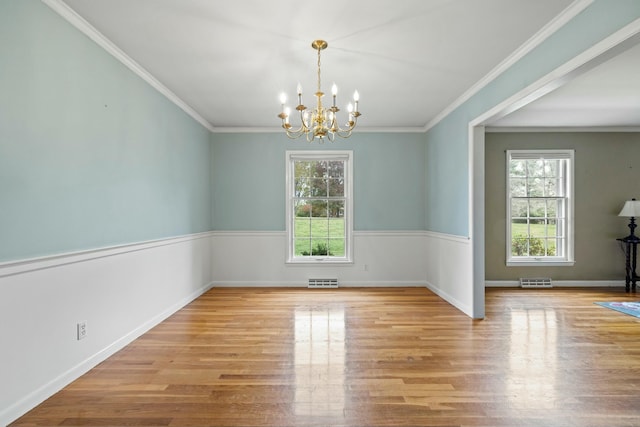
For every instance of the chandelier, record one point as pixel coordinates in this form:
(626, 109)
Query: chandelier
(319, 122)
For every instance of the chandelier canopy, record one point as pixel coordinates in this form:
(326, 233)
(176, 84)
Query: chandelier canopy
(319, 122)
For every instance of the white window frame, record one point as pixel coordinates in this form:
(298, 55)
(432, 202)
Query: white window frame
(291, 157)
(568, 258)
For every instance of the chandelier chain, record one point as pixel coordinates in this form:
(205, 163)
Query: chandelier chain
(319, 86)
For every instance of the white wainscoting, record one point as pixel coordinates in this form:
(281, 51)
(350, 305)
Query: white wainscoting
(449, 269)
(440, 262)
(121, 292)
(381, 258)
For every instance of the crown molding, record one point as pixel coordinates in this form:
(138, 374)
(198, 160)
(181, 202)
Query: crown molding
(67, 13)
(577, 129)
(599, 53)
(278, 129)
(391, 129)
(552, 26)
(70, 15)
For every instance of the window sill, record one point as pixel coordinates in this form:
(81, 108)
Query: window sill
(319, 261)
(539, 263)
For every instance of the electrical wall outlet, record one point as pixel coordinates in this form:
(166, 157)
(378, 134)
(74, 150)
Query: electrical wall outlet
(82, 329)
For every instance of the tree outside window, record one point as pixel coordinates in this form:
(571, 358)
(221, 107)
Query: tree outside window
(319, 200)
(539, 195)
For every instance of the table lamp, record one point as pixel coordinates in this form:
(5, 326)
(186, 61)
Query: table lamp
(631, 209)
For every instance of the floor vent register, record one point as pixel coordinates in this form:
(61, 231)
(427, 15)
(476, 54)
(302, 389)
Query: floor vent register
(535, 282)
(323, 283)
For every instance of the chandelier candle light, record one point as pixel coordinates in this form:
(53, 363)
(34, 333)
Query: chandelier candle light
(321, 121)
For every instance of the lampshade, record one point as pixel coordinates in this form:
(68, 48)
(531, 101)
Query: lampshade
(631, 208)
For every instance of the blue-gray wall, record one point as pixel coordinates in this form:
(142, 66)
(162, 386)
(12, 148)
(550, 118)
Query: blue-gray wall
(249, 180)
(447, 159)
(90, 154)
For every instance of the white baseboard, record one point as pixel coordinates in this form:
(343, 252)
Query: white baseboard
(465, 308)
(341, 284)
(559, 283)
(41, 394)
(90, 285)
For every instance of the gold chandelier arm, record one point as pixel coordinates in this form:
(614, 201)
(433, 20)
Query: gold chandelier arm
(346, 132)
(343, 133)
(310, 136)
(319, 123)
(293, 133)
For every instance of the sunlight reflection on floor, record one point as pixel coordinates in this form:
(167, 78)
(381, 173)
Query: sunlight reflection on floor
(319, 361)
(533, 359)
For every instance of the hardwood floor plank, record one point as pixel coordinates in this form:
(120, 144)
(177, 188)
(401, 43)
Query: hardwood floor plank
(368, 357)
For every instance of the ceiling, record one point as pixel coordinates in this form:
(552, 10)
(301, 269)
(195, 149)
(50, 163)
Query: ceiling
(409, 60)
(606, 96)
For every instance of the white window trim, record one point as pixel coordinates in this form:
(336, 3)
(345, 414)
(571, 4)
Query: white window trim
(567, 260)
(346, 155)
(533, 262)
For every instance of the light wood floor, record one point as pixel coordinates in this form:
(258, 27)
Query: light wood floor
(369, 357)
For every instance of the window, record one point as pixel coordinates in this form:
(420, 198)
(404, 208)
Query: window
(540, 207)
(319, 206)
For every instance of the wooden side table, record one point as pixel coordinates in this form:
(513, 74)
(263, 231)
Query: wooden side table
(631, 255)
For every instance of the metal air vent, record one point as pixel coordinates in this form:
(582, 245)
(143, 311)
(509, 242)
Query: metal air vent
(323, 283)
(535, 282)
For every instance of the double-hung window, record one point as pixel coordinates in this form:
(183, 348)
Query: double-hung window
(540, 207)
(319, 206)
